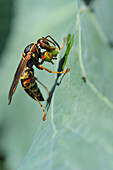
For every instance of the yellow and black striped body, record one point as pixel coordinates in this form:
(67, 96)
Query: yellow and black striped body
(29, 84)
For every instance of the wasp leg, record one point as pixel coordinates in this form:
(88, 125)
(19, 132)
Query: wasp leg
(44, 117)
(41, 68)
(42, 85)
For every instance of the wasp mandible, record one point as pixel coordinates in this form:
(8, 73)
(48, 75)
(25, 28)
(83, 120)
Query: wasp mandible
(35, 54)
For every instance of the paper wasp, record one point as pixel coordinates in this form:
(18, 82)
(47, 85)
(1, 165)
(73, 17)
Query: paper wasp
(35, 54)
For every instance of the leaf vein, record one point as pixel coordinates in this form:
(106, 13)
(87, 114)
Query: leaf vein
(94, 89)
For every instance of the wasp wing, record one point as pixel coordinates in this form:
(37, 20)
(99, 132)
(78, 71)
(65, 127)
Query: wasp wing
(17, 76)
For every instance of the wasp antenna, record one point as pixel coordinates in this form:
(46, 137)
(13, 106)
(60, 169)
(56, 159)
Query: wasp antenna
(53, 41)
(64, 41)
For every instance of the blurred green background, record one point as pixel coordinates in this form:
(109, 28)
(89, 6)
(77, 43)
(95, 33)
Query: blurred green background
(21, 23)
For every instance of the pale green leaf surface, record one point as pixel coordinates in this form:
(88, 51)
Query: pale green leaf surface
(78, 132)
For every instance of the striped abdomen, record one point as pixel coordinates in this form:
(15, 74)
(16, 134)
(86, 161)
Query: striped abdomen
(29, 84)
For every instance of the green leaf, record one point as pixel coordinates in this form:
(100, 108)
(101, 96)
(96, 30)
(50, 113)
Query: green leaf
(69, 45)
(78, 131)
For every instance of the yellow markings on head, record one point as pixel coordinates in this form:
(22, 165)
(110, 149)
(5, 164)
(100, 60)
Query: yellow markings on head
(33, 55)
